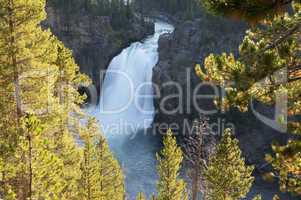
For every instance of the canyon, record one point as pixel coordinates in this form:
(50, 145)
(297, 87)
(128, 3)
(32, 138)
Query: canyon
(95, 43)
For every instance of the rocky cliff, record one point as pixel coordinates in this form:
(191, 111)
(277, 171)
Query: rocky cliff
(92, 39)
(191, 42)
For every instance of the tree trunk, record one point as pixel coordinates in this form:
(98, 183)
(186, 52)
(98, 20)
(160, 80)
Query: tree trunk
(13, 58)
(4, 181)
(30, 166)
(195, 184)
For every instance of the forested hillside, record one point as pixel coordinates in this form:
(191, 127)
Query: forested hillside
(119, 11)
(187, 9)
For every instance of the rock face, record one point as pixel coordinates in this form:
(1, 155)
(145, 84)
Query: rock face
(92, 39)
(191, 42)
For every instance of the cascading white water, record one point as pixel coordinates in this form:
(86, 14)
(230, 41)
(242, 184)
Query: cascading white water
(126, 98)
(126, 109)
(127, 84)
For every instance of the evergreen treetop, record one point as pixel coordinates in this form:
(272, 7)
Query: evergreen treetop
(227, 177)
(140, 196)
(170, 186)
(102, 177)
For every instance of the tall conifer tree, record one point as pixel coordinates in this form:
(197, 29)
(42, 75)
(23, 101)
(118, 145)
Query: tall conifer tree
(102, 177)
(26, 52)
(89, 181)
(140, 196)
(39, 171)
(170, 186)
(227, 177)
(37, 75)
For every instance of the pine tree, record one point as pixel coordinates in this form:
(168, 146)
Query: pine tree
(227, 177)
(40, 170)
(170, 187)
(102, 177)
(26, 50)
(112, 182)
(67, 99)
(70, 155)
(90, 175)
(251, 11)
(196, 154)
(257, 197)
(37, 75)
(153, 197)
(286, 162)
(140, 196)
(268, 66)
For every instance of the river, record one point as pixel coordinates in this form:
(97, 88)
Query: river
(126, 111)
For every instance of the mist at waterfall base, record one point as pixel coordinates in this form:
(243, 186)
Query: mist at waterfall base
(126, 111)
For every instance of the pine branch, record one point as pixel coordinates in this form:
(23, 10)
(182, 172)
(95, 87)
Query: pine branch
(277, 42)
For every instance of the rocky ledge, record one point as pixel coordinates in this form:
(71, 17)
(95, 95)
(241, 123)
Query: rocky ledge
(92, 39)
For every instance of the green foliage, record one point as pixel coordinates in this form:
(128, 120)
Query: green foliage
(287, 164)
(119, 11)
(251, 11)
(140, 196)
(170, 187)
(101, 174)
(71, 156)
(297, 6)
(186, 9)
(37, 75)
(40, 168)
(153, 197)
(90, 176)
(227, 177)
(39, 158)
(254, 66)
(26, 51)
(257, 197)
(268, 67)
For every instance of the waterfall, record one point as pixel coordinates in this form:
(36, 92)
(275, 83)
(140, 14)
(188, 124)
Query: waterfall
(126, 97)
(126, 109)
